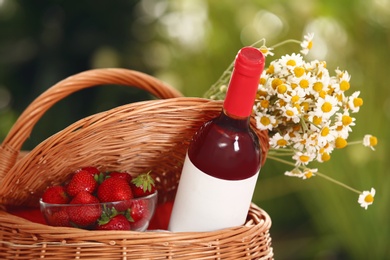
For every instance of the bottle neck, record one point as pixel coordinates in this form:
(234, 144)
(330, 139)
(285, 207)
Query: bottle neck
(240, 95)
(233, 121)
(244, 82)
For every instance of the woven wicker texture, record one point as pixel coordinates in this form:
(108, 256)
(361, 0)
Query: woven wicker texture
(138, 137)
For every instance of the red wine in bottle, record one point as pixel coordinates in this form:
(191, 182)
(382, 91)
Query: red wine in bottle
(223, 160)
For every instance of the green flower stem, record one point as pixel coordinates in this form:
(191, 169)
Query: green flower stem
(280, 160)
(317, 173)
(262, 41)
(280, 152)
(285, 42)
(338, 182)
(214, 89)
(355, 142)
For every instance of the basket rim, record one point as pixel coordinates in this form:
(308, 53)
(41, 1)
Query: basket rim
(255, 214)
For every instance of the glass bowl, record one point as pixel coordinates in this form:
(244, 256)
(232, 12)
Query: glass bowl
(138, 212)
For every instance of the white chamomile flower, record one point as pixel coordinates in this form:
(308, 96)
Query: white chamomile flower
(289, 62)
(323, 156)
(304, 142)
(266, 51)
(308, 173)
(355, 102)
(303, 158)
(370, 141)
(264, 79)
(263, 104)
(366, 198)
(278, 141)
(307, 43)
(291, 113)
(298, 140)
(294, 173)
(264, 121)
(344, 79)
(326, 107)
(343, 123)
(294, 96)
(304, 82)
(326, 134)
(274, 68)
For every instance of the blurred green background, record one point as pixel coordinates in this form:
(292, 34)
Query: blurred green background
(188, 44)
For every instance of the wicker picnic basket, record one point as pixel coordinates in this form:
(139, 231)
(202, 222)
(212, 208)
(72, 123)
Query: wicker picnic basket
(138, 137)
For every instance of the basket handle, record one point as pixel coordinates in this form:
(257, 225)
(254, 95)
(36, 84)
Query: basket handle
(21, 130)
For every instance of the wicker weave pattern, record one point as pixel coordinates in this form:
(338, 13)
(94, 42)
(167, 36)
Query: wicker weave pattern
(149, 135)
(24, 240)
(22, 128)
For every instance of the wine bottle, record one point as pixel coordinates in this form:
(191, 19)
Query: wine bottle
(222, 163)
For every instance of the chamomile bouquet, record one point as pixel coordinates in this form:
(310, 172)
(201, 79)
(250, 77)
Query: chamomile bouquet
(306, 110)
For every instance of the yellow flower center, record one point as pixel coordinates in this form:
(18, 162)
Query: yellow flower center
(305, 106)
(294, 98)
(276, 82)
(317, 120)
(262, 81)
(344, 85)
(299, 71)
(325, 131)
(318, 86)
(281, 103)
(304, 83)
(270, 70)
(322, 94)
(291, 63)
(264, 49)
(289, 112)
(325, 157)
(265, 120)
(261, 93)
(282, 88)
(281, 142)
(340, 142)
(346, 120)
(369, 198)
(373, 141)
(264, 103)
(357, 102)
(309, 174)
(326, 107)
(304, 158)
(310, 45)
(298, 107)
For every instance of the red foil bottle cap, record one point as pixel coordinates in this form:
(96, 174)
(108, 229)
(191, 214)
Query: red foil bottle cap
(243, 85)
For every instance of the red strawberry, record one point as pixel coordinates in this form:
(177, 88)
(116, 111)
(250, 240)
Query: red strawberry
(91, 169)
(84, 215)
(123, 175)
(55, 195)
(143, 185)
(118, 222)
(139, 215)
(81, 181)
(139, 210)
(60, 219)
(114, 189)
